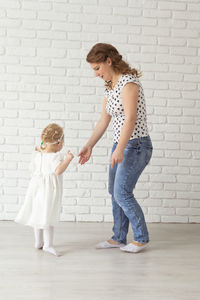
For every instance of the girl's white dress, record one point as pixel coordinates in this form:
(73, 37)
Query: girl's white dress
(42, 204)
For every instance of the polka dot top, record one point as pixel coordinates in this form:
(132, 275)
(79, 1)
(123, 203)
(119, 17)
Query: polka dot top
(115, 109)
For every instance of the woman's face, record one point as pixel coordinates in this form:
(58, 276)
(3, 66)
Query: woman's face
(103, 70)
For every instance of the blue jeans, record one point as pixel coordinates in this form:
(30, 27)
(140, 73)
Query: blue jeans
(122, 180)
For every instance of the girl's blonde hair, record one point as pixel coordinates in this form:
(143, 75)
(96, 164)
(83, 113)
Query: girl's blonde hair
(51, 134)
(101, 51)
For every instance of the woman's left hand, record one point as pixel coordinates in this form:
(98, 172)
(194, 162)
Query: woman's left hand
(116, 158)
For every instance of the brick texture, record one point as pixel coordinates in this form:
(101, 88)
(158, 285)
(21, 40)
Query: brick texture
(45, 78)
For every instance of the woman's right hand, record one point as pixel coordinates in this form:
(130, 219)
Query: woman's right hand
(85, 154)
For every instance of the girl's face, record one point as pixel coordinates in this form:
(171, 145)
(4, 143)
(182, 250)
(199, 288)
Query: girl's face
(103, 70)
(60, 144)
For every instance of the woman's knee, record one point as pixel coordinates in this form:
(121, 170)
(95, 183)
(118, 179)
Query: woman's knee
(121, 195)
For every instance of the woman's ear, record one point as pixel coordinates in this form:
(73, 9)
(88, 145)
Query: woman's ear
(109, 61)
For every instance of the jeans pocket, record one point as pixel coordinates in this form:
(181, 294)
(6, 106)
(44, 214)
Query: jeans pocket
(148, 154)
(132, 144)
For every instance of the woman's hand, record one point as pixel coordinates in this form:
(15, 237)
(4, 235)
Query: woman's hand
(85, 154)
(116, 158)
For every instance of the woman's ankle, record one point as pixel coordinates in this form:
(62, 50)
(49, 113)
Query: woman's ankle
(139, 244)
(111, 241)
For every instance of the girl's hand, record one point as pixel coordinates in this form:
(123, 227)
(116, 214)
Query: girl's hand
(116, 158)
(69, 155)
(85, 154)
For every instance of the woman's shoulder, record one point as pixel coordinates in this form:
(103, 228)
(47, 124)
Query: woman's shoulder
(129, 78)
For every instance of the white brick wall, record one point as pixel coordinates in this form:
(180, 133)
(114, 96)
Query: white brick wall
(44, 78)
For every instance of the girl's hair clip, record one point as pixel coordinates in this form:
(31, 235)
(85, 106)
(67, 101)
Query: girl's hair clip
(53, 143)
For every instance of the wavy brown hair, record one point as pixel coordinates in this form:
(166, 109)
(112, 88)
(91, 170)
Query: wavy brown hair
(101, 51)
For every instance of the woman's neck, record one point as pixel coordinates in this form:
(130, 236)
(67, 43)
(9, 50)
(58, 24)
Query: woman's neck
(115, 79)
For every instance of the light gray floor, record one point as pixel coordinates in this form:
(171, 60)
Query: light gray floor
(168, 270)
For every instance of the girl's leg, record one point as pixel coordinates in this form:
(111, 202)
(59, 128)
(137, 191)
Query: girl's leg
(48, 241)
(38, 233)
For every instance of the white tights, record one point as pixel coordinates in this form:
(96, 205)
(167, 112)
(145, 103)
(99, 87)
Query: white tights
(44, 240)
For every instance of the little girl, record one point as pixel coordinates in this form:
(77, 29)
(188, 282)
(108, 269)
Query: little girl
(42, 203)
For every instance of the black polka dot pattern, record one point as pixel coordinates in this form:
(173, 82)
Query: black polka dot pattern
(114, 108)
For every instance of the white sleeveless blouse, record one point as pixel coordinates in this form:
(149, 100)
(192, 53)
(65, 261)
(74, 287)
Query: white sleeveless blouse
(114, 108)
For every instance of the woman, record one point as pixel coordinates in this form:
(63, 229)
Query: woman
(132, 149)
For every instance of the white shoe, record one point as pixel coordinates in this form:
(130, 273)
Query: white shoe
(107, 245)
(51, 250)
(132, 248)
